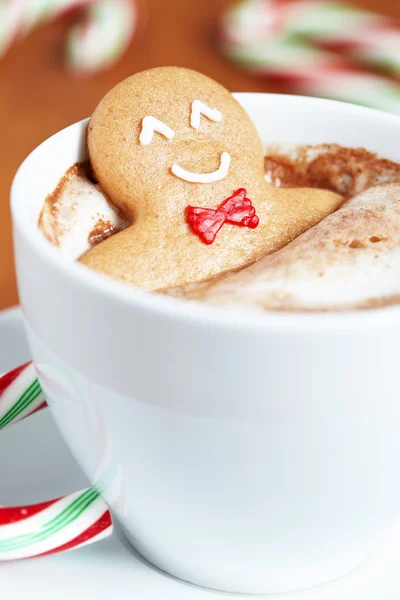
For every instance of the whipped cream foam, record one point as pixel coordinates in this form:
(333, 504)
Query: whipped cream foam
(78, 215)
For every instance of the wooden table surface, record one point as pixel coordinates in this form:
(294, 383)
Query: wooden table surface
(37, 98)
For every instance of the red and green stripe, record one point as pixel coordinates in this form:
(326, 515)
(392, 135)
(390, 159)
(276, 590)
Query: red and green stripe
(23, 402)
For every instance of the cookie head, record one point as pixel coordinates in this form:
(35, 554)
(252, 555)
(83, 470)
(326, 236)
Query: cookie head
(170, 131)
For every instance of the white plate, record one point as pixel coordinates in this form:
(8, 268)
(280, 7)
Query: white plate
(36, 465)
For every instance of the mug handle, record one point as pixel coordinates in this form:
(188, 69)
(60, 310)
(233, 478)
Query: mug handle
(57, 525)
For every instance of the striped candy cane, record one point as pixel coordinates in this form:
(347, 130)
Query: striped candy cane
(255, 20)
(62, 524)
(364, 36)
(95, 42)
(254, 35)
(20, 395)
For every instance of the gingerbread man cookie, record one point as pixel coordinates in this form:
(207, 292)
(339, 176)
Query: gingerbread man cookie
(182, 160)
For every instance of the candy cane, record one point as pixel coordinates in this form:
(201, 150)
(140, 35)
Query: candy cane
(62, 524)
(367, 37)
(20, 395)
(251, 36)
(96, 42)
(52, 527)
(364, 36)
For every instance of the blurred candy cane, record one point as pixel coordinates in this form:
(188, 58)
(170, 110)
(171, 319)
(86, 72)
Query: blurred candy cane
(96, 41)
(252, 37)
(364, 36)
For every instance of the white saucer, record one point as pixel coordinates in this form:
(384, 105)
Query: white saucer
(111, 569)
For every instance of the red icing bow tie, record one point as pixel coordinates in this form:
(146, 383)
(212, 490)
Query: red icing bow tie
(236, 210)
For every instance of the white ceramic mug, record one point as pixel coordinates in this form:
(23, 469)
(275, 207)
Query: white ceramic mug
(252, 452)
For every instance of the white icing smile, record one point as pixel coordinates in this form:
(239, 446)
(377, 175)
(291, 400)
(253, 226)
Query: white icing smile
(217, 175)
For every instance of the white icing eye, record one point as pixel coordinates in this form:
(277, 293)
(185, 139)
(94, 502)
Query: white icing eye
(198, 109)
(151, 125)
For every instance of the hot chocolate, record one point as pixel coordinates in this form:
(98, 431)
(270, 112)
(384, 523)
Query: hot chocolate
(179, 198)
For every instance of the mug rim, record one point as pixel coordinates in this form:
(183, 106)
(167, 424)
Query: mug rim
(197, 312)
